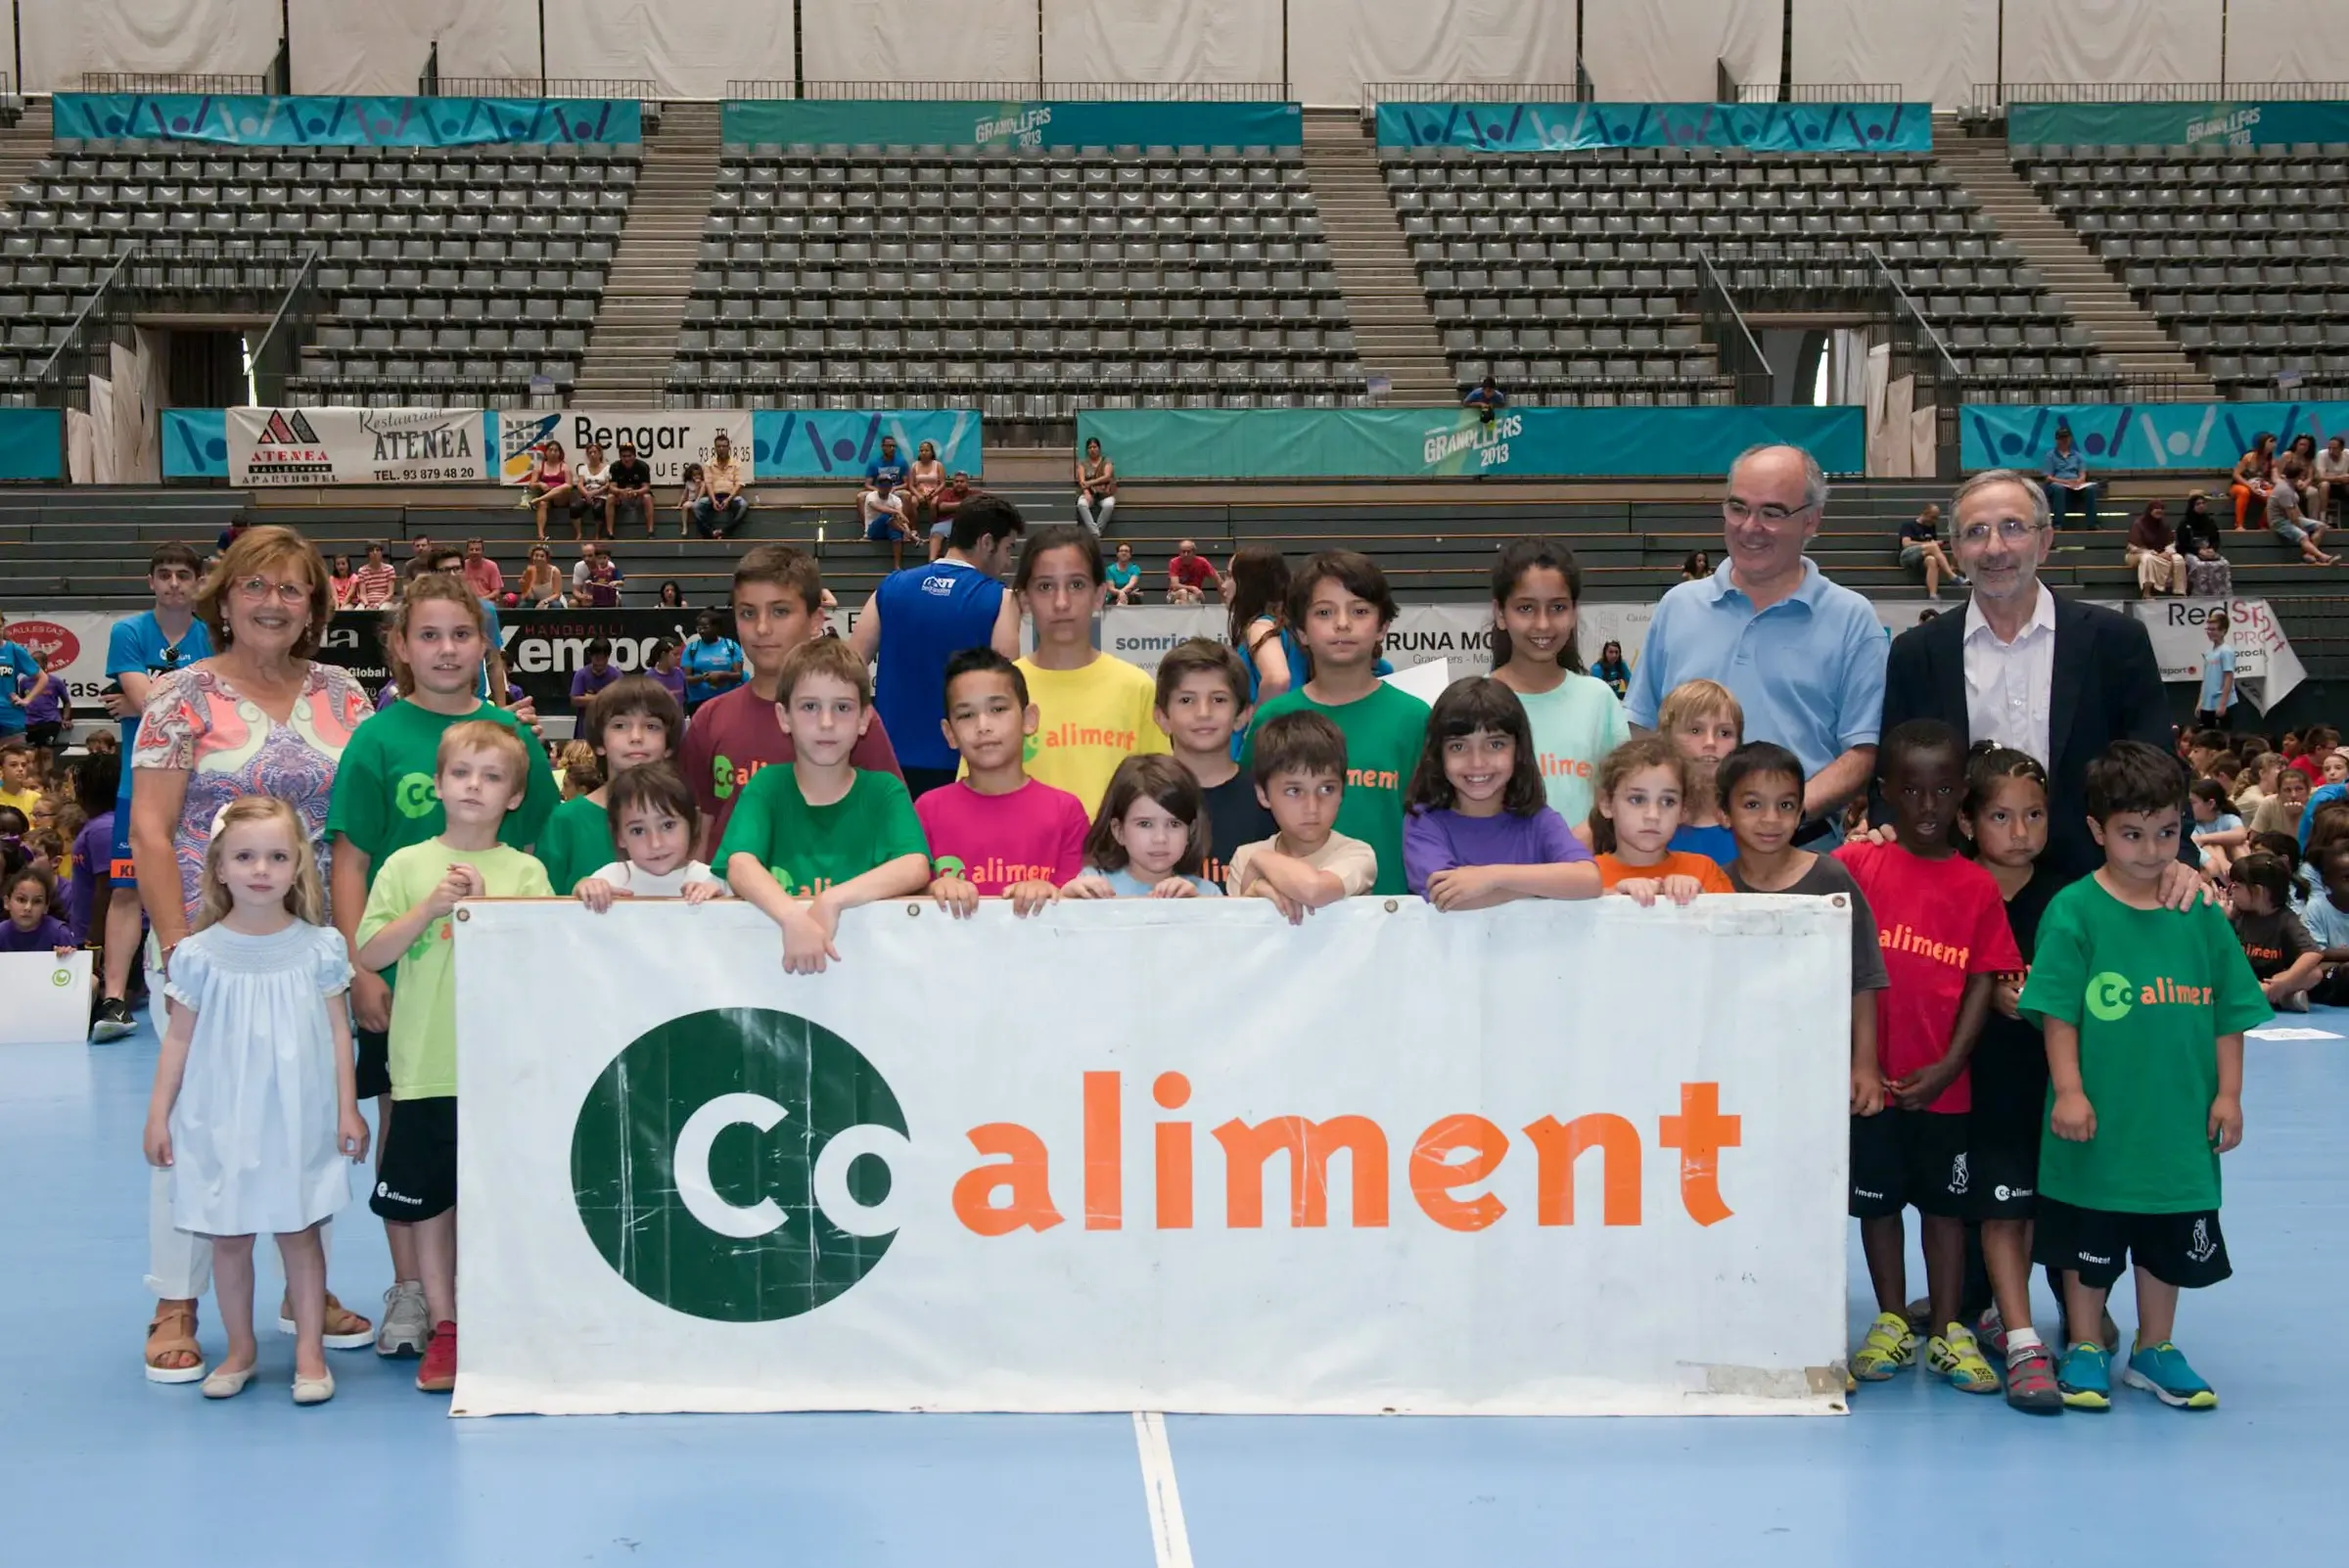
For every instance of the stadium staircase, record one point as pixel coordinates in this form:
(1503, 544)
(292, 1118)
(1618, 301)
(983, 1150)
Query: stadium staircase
(2122, 329)
(1394, 334)
(24, 144)
(636, 335)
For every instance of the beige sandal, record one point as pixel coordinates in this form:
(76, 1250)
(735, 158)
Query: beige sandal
(345, 1328)
(172, 1332)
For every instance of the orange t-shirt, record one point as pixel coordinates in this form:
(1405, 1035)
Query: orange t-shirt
(1675, 863)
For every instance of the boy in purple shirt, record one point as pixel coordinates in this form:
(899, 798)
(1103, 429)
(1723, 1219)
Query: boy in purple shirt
(593, 675)
(1476, 828)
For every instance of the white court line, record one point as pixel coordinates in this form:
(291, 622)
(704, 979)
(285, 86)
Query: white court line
(1171, 1541)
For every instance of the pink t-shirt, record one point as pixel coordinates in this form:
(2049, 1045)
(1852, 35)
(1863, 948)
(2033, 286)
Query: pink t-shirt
(1034, 834)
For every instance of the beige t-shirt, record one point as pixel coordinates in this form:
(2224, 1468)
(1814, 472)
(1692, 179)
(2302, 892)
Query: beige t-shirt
(1352, 861)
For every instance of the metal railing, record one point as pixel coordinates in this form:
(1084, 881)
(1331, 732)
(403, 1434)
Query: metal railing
(1086, 92)
(87, 346)
(1822, 92)
(621, 87)
(174, 81)
(1917, 351)
(278, 354)
(1579, 91)
(1990, 99)
(1733, 344)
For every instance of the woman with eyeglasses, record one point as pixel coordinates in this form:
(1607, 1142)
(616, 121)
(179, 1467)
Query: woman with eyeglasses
(259, 716)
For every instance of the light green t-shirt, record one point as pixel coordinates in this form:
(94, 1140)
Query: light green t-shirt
(1574, 727)
(811, 848)
(385, 799)
(423, 1020)
(576, 843)
(1384, 734)
(2150, 991)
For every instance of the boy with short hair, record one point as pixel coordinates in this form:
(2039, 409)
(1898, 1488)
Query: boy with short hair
(1705, 722)
(778, 603)
(822, 830)
(995, 832)
(1300, 767)
(1342, 607)
(2145, 1010)
(1202, 700)
(483, 774)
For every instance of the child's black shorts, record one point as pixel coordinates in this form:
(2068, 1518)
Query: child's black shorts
(374, 1076)
(2185, 1250)
(2003, 1130)
(417, 1177)
(1908, 1159)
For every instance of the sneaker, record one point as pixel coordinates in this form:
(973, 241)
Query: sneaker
(1954, 1354)
(112, 1022)
(2161, 1371)
(406, 1324)
(1991, 1329)
(1888, 1348)
(2030, 1382)
(2085, 1380)
(438, 1373)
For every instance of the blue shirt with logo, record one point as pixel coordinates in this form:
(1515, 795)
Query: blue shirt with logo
(139, 645)
(886, 474)
(18, 669)
(928, 614)
(700, 658)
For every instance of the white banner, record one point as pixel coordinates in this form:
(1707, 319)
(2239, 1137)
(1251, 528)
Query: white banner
(278, 446)
(751, 1191)
(2265, 664)
(48, 997)
(69, 644)
(669, 439)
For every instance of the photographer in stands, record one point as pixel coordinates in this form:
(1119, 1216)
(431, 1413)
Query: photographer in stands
(632, 487)
(721, 507)
(1487, 398)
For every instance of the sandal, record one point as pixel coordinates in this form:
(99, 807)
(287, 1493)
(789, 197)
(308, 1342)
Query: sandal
(345, 1328)
(172, 1332)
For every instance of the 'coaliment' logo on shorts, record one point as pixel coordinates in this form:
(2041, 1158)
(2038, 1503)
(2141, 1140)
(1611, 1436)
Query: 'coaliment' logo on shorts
(739, 1165)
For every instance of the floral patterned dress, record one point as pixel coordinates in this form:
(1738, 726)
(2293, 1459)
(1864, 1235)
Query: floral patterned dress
(196, 722)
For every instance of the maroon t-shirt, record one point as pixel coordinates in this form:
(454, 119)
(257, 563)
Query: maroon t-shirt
(732, 736)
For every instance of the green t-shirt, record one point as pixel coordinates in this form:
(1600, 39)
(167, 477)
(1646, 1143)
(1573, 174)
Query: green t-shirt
(423, 1024)
(1384, 734)
(811, 848)
(576, 843)
(385, 799)
(2150, 992)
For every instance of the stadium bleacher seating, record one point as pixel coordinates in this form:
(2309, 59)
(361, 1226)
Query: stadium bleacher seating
(1024, 282)
(2240, 253)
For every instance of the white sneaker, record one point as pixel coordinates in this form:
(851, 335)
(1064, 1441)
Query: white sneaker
(406, 1322)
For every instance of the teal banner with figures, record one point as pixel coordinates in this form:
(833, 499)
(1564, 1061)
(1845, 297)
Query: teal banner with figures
(2205, 436)
(981, 122)
(1431, 442)
(345, 121)
(2183, 125)
(1578, 127)
(837, 442)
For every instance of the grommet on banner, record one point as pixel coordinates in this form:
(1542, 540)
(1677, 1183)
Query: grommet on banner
(1835, 899)
(914, 910)
(464, 914)
(1392, 906)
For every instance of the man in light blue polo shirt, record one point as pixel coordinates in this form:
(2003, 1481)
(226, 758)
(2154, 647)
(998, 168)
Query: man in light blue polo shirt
(1805, 657)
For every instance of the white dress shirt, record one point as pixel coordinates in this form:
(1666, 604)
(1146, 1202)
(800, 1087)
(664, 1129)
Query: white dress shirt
(2008, 683)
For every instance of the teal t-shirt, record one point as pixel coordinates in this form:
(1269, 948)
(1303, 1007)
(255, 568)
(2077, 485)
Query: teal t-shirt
(2150, 992)
(810, 847)
(1384, 734)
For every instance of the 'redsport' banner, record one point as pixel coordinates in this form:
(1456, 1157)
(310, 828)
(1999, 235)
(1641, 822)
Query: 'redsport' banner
(753, 1191)
(278, 446)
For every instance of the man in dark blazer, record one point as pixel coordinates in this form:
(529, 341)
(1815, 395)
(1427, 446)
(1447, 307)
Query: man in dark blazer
(2047, 676)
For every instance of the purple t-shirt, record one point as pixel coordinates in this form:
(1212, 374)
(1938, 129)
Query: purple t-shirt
(1437, 840)
(51, 932)
(93, 858)
(586, 683)
(673, 681)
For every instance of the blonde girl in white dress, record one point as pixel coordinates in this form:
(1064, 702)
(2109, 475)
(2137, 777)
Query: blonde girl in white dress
(254, 1110)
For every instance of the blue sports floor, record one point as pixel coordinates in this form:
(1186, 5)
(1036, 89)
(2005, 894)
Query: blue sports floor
(100, 1467)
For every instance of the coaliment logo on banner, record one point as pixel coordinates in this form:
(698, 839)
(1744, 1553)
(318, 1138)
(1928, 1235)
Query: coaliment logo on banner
(279, 446)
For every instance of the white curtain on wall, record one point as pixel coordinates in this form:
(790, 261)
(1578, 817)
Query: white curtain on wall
(1162, 40)
(62, 38)
(1653, 51)
(920, 40)
(687, 51)
(1337, 45)
(2273, 40)
(2114, 41)
(379, 46)
(1936, 50)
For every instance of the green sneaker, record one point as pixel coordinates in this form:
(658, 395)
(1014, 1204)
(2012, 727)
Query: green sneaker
(2086, 1378)
(1954, 1354)
(2161, 1371)
(1888, 1348)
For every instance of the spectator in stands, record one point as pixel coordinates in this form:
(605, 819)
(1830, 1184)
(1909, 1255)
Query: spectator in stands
(711, 661)
(721, 507)
(942, 508)
(2254, 477)
(1097, 488)
(238, 523)
(584, 568)
(2152, 549)
(591, 482)
(1487, 398)
(481, 573)
(374, 582)
(1611, 669)
(1124, 578)
(881, 505)
(2287, 520)
(605, 580)
(1258, 592)
(1803, 656)
(2333, 479)
(923, 482)
(690, 486)
(1921, 546)
(1191, 575)
(541, 583)
(672, 598)
(631, 486)
(2066, 483)
(549, 484)
(594, 675)
(1695, 566)
(2208, 575)
(342, 583)
(420, 556)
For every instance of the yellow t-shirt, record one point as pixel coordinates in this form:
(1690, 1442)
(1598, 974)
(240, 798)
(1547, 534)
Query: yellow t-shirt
(25, 800)
(1087, 721)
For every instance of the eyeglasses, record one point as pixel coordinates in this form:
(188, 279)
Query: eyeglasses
(1737, 511)
(2009, 530)
(283, 592)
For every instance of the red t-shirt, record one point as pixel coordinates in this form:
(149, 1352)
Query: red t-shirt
(1034, 834)
(2310, 767)
(1192, 570)
(1939, 922)
(732, 736)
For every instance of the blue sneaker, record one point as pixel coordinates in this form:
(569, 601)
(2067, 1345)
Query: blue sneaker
(2086, 1378)
(2161, 1371)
